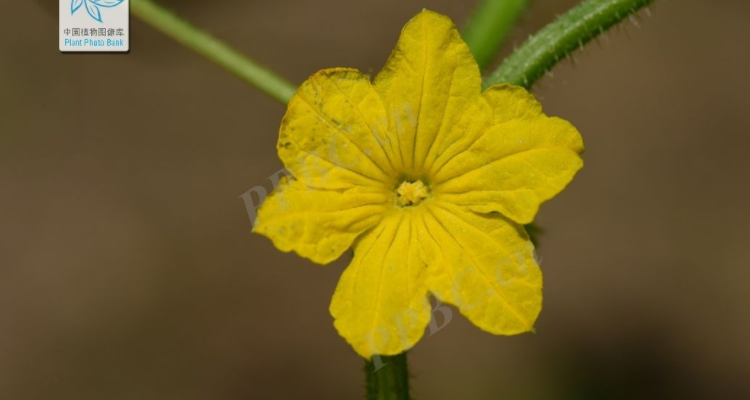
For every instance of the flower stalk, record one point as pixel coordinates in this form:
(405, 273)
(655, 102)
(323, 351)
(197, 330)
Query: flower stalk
(387, 378)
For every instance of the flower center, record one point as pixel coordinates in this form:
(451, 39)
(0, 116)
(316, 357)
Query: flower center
(411, 193)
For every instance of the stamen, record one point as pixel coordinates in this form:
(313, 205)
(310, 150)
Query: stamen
(411, 193)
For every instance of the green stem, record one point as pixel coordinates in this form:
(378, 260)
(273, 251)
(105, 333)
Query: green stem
(558, 39)
(213, 49)
(489, 25)
(387, 378)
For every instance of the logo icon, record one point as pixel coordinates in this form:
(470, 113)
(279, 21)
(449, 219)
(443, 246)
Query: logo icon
(93, 7)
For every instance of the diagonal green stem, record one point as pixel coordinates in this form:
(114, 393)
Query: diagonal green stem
(387, 378)
(213, 49)
(489, 25)
(558, 39)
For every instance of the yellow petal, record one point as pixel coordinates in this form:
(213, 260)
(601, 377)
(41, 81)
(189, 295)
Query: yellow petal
(426, 84)
(319, 224)
(380, 305)
(334, 132)
(507, 156)
(486, 268)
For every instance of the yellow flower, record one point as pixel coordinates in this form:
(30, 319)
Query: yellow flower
(429, 180)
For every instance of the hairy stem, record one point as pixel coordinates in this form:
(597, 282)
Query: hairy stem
(558, 39)
(387, 378)
(213, 49)
(489, 25)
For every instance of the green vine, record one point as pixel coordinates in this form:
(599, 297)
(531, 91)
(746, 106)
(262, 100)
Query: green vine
(213, 49)
(489, 25)
(557, 40)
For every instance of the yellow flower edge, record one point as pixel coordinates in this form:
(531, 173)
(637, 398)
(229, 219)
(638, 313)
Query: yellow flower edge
(429, 180)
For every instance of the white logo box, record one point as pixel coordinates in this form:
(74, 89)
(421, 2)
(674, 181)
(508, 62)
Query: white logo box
(94, 25)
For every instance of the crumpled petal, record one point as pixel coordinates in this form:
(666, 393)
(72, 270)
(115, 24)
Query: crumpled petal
(319, 224)
(507, 156)
(428, 81)
(381, 304)
(485, 267)
(333, 135)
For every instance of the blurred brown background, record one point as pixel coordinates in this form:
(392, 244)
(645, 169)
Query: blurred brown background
(128, 270)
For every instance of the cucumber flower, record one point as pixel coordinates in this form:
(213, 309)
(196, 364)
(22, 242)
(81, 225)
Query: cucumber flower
(429, 180)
